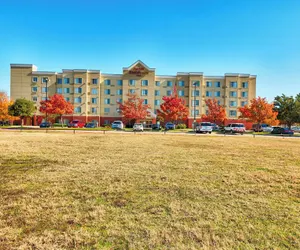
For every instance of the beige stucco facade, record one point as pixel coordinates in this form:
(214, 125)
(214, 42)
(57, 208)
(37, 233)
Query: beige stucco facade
(95, 94)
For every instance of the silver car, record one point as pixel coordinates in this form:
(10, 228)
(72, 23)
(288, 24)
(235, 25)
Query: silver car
(204, 127)
(117, 125)
(138, 127)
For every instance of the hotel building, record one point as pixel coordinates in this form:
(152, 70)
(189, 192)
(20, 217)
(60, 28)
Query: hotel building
(95, 94)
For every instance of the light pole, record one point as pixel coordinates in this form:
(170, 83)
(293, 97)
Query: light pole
(195, 83)
(46, 80)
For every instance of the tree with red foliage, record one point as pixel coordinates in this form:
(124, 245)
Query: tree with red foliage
(173, 108)
(55, 106)
(216, 112)
(259, 111)
(133, 109)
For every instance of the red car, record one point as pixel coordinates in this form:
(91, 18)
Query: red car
(76, 124)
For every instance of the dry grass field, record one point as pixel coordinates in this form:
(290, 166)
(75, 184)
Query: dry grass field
(92, 191)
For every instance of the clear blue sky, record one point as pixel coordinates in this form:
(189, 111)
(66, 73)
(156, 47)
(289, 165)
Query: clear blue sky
(260, 37)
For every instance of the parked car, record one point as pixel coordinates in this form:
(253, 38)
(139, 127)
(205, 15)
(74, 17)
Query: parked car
(156, 127)
(279, 130)
(76, 124)
(169, 125)
(117, 125)
(235, 128)
(261, 127)
(295, 128)
(90, 125)
(45, 125)
(215, 127)
(138, 127)
(204, 127)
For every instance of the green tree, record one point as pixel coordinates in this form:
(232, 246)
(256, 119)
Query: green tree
(21, 108)
(288, 109)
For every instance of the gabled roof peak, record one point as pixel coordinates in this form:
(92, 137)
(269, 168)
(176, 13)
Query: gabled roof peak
(136, 63)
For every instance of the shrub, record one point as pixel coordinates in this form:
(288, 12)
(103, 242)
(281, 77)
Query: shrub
(181, 126)
(58, 125)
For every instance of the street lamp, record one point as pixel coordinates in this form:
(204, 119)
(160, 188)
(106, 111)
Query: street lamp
(46, 80)
(195, 84)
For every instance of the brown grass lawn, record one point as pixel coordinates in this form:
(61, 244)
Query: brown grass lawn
(90, 191)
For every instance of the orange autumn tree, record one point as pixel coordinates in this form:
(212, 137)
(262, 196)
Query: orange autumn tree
(216, 112)
(259, 111)
(55, 106)
(133, 109)
(173, 108)
(4, 104)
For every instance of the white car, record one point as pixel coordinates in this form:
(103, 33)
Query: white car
(235, 128)
(138, 127)
(204, 127)
(117, 125)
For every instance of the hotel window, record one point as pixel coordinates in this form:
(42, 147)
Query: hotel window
(195, 112)
(43, 98)
(157, 93)
(144, 92)
(77, 100)
(106, 110)
(44, 90)
(208, 93)
(93, 110)
(181, 83)
(232, 113)
(217, 85)
(144, 82)
(95, 81)
(157, 102)
(34, 98)
(34, 89)
(232, 103)
(131, 91)
(181, 92)
(34, 79)
(244, 103)
(94, 100)
(233, 94)
(119, 92)
(196, 83)
(77, 110)
(245, 85)
(219, 102)
(78, 80)
(107, 82)
(217, 93)
(195, 93)
(195, 103)
(169, 83)
(169, 92)
(94, 91)
(233, 84)
(59, 81)
(209, 84)
(67, 99)
(120, 82)
(59, 90)
(132, 82)
(107, 91)
(244, 94)
(78, 90)
(145, 101)
(107, 101)
(66, 90)
(119, 100)
(66, 80)
(157, 83)
(44, 79)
